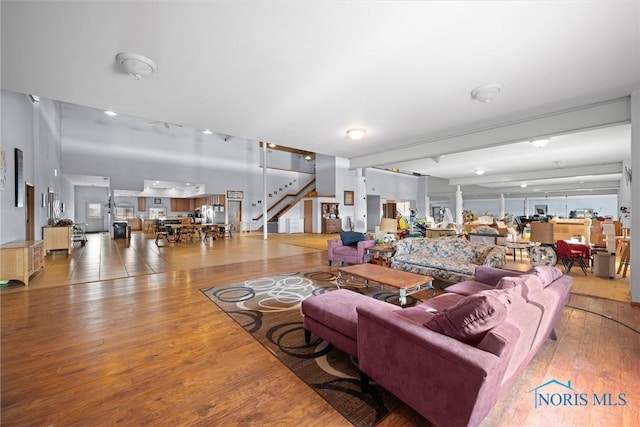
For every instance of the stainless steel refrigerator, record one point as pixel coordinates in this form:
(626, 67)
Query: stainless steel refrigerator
(213, 214)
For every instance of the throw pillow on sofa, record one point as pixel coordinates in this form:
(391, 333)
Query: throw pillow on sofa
(470, 319)
(351, 238)
(527, 284)
(548, 274)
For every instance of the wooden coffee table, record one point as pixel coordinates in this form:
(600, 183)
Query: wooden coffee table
(407, 283)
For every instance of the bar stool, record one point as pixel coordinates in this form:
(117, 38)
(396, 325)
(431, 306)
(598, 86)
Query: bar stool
(625, 249)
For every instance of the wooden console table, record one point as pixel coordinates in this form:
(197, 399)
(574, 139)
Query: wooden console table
(20, 259)
(56, 237)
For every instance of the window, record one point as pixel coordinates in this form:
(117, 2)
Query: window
(157, 213)
(94, 210)
(124, 213)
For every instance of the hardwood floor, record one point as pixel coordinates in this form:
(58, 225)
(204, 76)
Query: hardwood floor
(139, 344)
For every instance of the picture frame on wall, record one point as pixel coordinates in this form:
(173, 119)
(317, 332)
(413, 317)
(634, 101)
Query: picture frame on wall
(157, 201)
(235, 194)
(19, 175)
(348, 198)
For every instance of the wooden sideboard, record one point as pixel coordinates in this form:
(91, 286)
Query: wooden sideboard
(21, 259)
(330, 226)
(57, 238)
(566, 229)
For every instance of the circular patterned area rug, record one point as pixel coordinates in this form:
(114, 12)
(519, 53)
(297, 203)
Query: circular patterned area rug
(269, 309)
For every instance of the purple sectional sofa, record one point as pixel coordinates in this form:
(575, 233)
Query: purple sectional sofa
(452, 357)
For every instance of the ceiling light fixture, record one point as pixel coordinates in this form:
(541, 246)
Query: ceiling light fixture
(479, 171)
(539, 143)
(486, 93)
(356, 133)
(110, 113)
(207, 132)
(307, 157)
(137, 65)
(523, 185)
(271, 145)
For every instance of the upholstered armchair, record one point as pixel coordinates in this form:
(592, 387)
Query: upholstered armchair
(349, 248)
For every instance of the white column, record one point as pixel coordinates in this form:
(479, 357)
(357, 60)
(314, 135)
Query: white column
(264, 191)
(459, 219)
(502, 206)
(427, 199)
(526, 207)
(360, 202)
(635, 200)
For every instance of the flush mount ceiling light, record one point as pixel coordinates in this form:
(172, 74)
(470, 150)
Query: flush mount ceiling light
(479, 171)
(271, 145)
(523, 185)
(486, 93)
(307, 157)
(539, 143)
(111, 113)
(207, 132)
(137, 65)
(356, 133)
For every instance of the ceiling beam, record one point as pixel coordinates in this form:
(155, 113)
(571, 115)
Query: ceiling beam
(602, 114)
(605, 169)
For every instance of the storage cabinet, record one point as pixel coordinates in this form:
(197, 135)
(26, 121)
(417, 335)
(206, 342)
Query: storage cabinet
(57, 238)
(331, 222)
(182, 205)
(21, 259)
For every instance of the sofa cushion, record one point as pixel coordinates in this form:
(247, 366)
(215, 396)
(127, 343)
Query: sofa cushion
(548, 274)
(351, 238)
(527, 285)
(468, 287)
(472, 317)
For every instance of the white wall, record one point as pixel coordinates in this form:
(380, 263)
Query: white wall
(35, 129)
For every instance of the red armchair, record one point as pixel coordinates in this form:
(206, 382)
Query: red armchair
(349, 254)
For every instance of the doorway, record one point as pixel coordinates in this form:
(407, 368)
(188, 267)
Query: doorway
(235, 214)
(30, 196)
(308, 216)
(95, 217)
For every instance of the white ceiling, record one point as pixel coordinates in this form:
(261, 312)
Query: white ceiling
(300, 74)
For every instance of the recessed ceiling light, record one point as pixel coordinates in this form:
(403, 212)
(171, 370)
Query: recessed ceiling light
(356, 133)
(479, 171)
(110, 113)
(395, 170)
(271, 145)
(523, 185)
(486, 93)
(539, 143)
(307, 157)
(207, 132)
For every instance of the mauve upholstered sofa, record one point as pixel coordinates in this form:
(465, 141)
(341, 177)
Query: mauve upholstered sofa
(452, 357)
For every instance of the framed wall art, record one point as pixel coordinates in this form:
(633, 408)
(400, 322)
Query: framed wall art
(235, 194)
(19, 169)
(348, 198)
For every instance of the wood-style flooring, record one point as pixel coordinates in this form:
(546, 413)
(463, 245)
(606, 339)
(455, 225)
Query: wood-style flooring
(118, 333)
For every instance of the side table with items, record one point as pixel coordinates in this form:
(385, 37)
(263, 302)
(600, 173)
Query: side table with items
(381, 254)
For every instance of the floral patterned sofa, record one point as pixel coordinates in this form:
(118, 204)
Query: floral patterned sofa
(449, 259)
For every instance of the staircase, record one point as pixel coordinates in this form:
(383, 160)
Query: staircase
(282, 206)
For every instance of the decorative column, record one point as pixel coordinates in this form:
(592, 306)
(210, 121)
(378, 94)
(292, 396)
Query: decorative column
(264, 191)
(459, 219)
(502, 213)
(360, 202)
